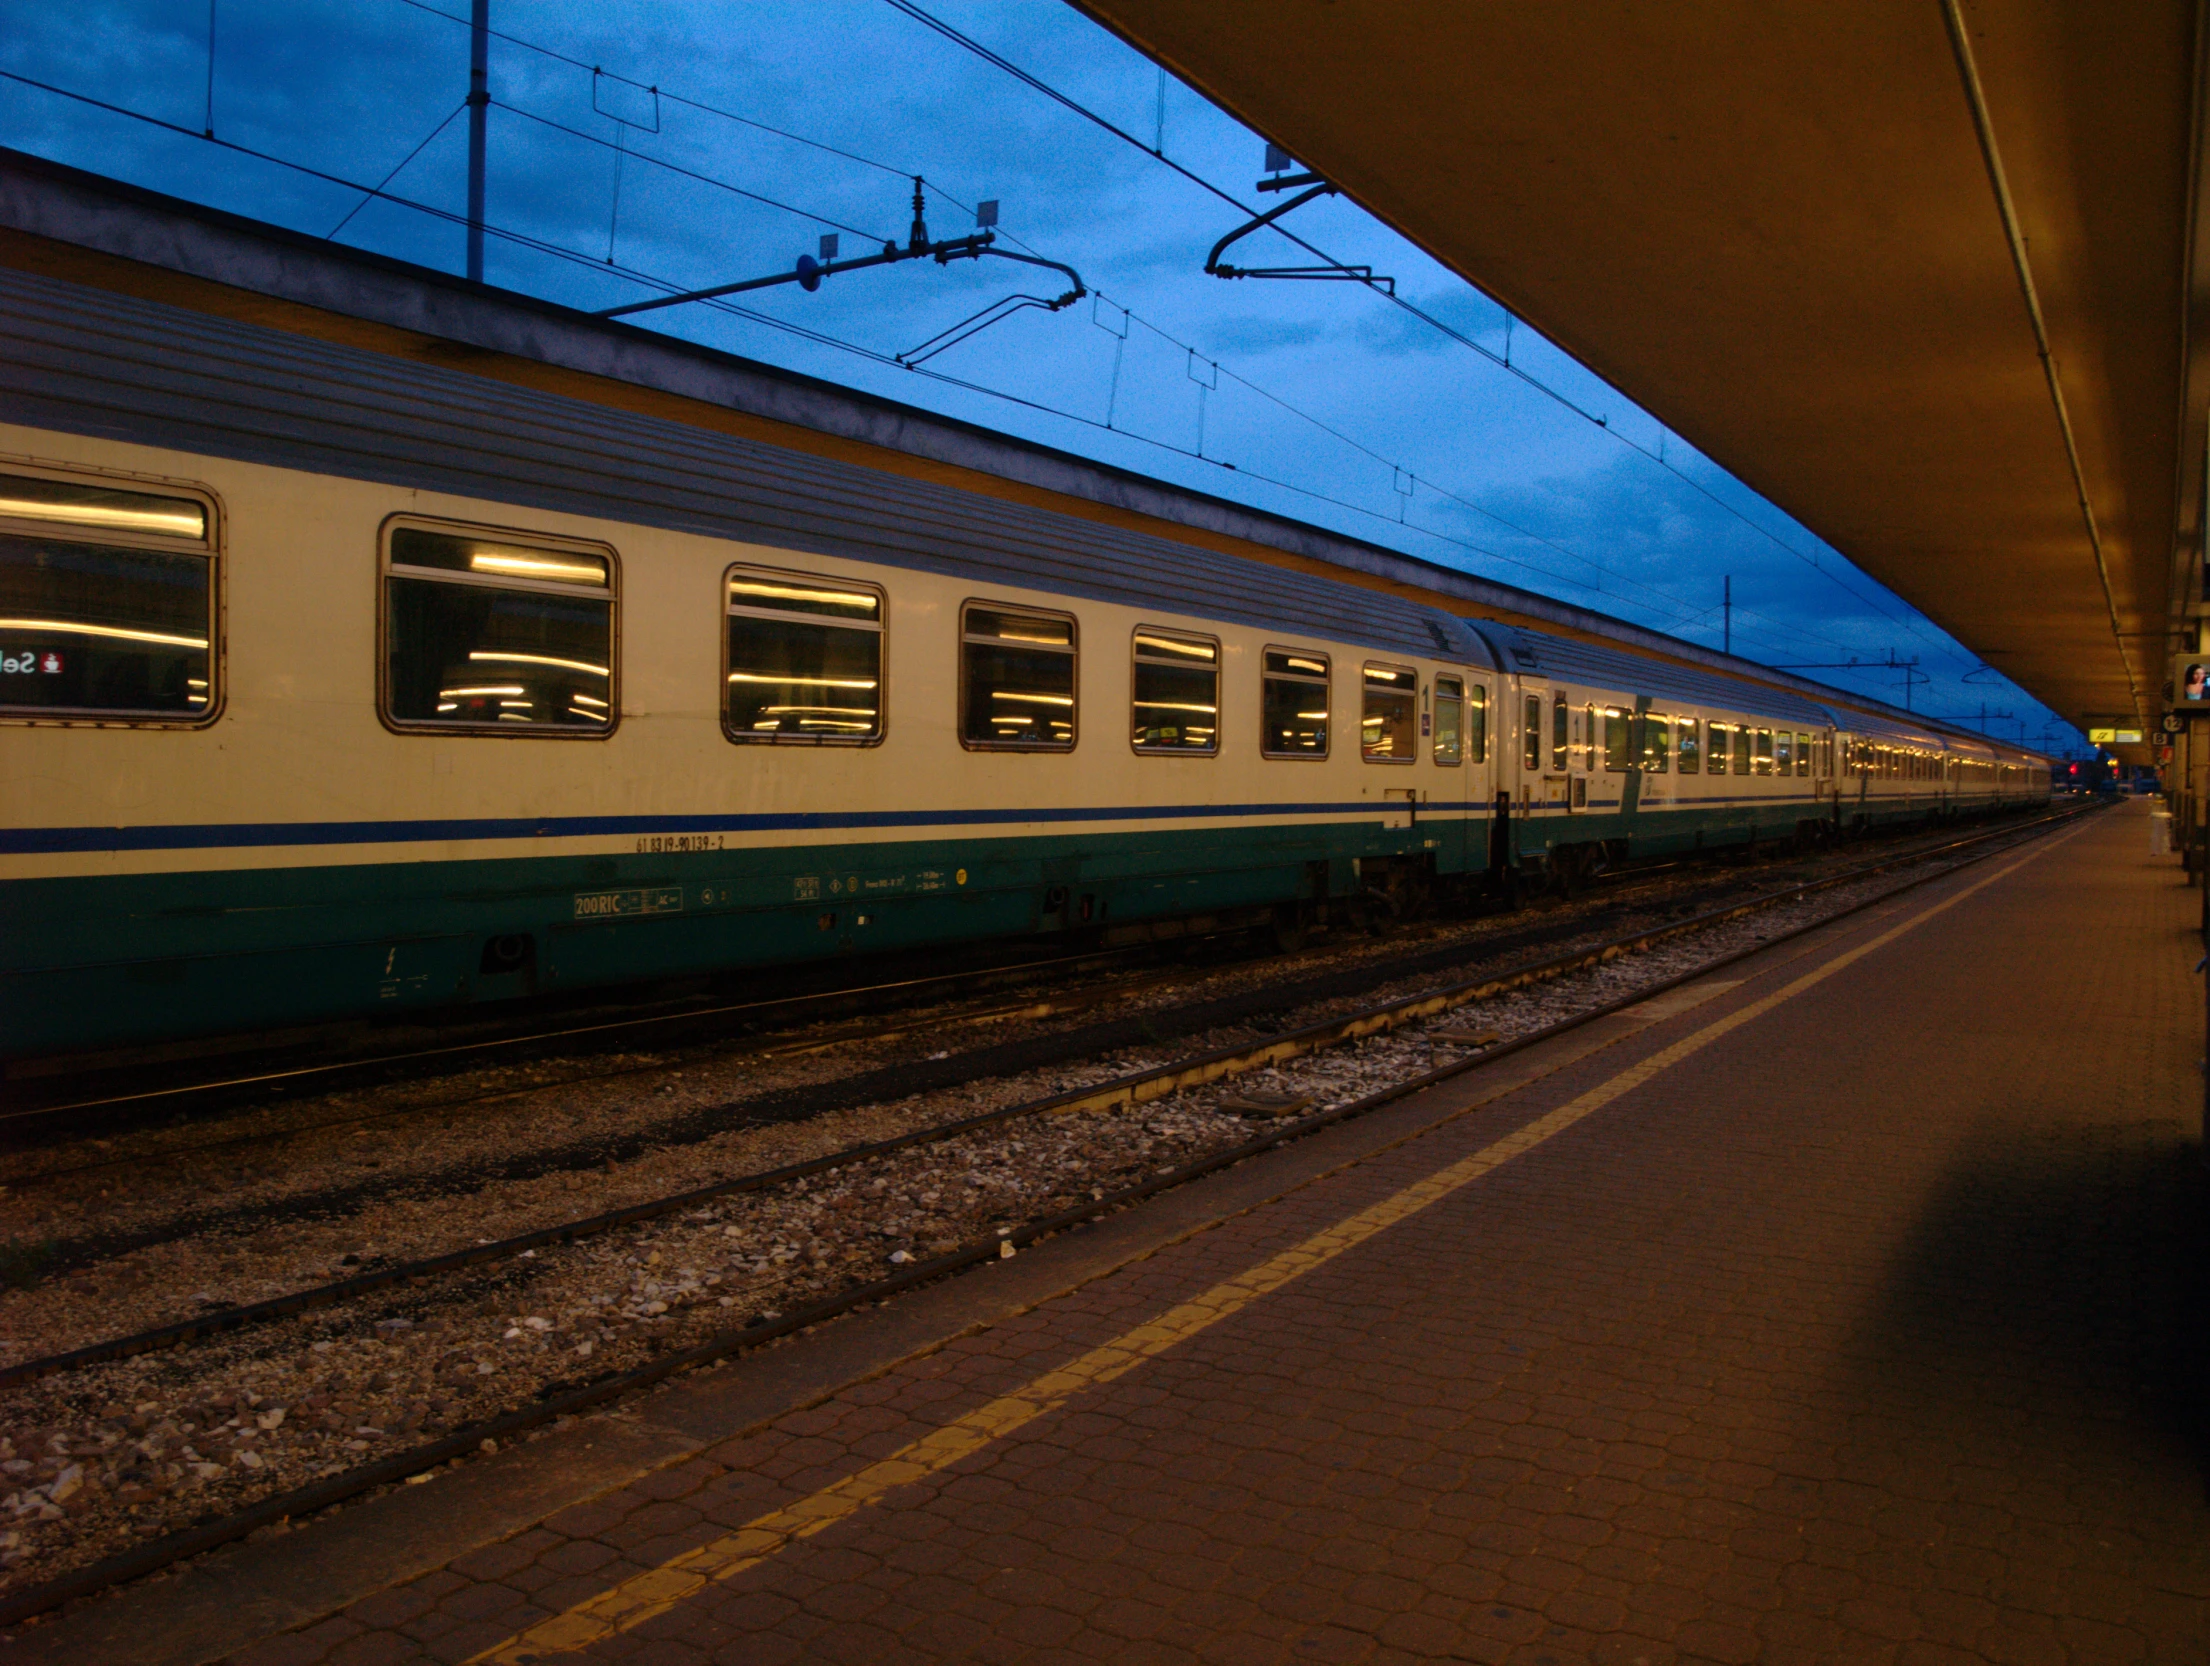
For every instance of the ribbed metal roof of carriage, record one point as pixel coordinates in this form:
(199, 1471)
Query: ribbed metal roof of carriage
(93, 362)
(1536, 654)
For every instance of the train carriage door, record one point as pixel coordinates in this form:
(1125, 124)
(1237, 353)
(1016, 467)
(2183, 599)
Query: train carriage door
(1556, 780)
(1581, 741)
(1450, 788)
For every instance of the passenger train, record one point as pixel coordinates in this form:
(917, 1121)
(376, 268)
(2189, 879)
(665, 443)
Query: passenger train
(333, 685)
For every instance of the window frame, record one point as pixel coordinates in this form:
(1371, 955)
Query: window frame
(1411, 671)
(1688, 744)
(551, 542)
(1325, 680)
(213, 546)
(1073, 651)
(881, 628)
(1618, 722)
(1477, 700)
(1435, 740)
(1219, 689)
(1530, 740)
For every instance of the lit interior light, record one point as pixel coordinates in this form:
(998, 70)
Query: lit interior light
(541, 659)
(520, 705)
(1313, 665)
(800, 593)
(1173, 706)
(448, 705)
(832, 723)
(588, 717)
(514, 717)
(833, 711)
(518, 565)
(809, 682)
(1165, 645)
(71, 627)
(170, 517)
(195, 682)
(490, 692)
(1037, 699)
(587, 700)
(1313, 717)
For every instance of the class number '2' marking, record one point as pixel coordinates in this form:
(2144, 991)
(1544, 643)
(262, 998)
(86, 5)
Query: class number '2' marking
(615, 905)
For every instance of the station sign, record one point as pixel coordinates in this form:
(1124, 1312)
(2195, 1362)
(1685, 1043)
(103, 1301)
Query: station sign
(2114, 737)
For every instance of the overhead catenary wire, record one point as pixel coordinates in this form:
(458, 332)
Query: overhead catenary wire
(1502, 361)
(1157, 153)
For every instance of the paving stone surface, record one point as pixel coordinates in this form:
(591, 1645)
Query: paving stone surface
(1866, 1333)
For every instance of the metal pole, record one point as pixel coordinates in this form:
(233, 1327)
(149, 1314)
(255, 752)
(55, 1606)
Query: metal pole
(1726, 607)
(479, 100)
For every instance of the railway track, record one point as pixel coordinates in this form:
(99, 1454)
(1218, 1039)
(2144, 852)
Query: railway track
(1110, 1096)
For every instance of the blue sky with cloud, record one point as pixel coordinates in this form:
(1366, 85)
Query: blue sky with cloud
(1331, 404)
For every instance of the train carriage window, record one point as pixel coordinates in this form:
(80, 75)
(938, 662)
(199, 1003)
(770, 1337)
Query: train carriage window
(1784, 753)
(491, 632)
(1618, 754)
(1530, 735)
(1722, 743)
(804, 659)
(1688, 751)
(1016, 674)
(1761, 758)
(1477, 723)
(1803, 753)
(1449, 749)
(107, 603)
(1561, 731)
(1388, 720)
(1293, 696)
(1657, 744)
(1742, 751)
(1174, 694)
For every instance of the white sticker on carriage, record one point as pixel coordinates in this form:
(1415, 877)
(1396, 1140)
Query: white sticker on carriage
(615, 905)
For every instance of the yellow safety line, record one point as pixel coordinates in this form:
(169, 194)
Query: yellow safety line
(655, 1591)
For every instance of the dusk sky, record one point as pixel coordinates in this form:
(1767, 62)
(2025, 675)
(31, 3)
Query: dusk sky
(1334, 405)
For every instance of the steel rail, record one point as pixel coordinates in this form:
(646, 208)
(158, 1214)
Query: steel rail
(1135, 1088)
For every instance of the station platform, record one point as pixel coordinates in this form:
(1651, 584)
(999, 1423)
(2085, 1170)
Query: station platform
(1843, 1307)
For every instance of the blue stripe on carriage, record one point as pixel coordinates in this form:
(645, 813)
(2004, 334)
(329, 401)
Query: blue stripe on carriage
(27, 841)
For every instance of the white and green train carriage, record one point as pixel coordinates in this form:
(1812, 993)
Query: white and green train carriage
(333, 685)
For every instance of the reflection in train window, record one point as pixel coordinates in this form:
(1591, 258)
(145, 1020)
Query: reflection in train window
(107, 602)
(1742, 750)
(1561, 737)
(1803, 753)
(1784, 753)
(804, 659)
(1388, 730)
(1657, 744)
(1690, 762)
(1530, 734)
(1016, 673)
(1477, 723)
(1722, 741)
(490, 632)
(1449, 749)
(1618, 755)
(1175, 695)
(1293, 700)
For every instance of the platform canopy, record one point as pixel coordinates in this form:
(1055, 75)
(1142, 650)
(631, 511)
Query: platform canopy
(1777, 228)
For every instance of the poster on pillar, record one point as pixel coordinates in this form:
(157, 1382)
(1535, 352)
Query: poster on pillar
(2190, 682)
